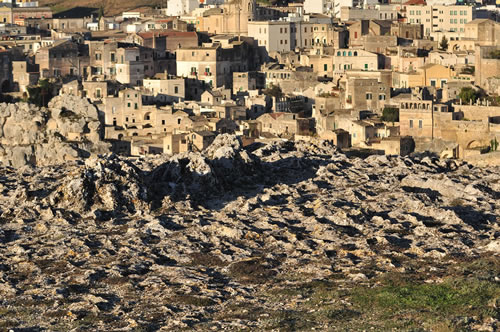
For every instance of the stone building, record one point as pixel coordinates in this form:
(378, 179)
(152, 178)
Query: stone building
(289, 79)
(362, 28)
(61, 59)
(166, 89)
(283, 36)
(126, 63)
(407, 31)
(284, 124)
(441, 18)
(165, 40)
(469, 127)
(348, 59)
(231, 18)
(24, 74)
(245, 81)
(215, 64)
(366, 94)
(487, 64)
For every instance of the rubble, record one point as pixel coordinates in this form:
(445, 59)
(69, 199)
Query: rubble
(178, 241)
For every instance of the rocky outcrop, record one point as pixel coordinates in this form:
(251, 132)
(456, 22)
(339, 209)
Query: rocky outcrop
(67, 130)
(184, 242)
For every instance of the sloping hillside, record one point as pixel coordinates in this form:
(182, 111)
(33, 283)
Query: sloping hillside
(111, 7)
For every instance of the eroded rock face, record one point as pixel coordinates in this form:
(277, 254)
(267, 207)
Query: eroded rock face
(205, 233)
(67, 130)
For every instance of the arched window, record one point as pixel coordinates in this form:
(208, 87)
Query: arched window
(338, 53)
(350, 53)
(343, 53)
(355, 53)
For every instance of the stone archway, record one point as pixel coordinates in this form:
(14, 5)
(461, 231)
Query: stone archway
(474, 145)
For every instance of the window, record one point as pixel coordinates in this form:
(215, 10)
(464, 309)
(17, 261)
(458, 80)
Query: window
(325, 67)
(366, 66)
(381, 97)
(420, 124)
(98, 56)
(113, 57)
(128, 105)
(411, 123)
(176, 89)
(136, 106)
(433, 82)
(369, 96)
(163, 122)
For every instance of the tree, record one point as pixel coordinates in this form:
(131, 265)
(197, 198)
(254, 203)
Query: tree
(273, 91)
(494, 144)
(40, 94)
(467, 94)
(444, 44)
(390, 114)
(495, 54)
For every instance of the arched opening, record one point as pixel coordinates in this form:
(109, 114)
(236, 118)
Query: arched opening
(473, 145)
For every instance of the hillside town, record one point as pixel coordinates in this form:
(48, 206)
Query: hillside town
(372, 77)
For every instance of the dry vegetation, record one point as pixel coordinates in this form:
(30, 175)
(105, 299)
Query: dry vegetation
(111, 7)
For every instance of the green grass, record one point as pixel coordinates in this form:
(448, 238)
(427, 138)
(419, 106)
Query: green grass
(393, 301)
(450, 297)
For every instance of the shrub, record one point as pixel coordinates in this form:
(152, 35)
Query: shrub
(390, 114)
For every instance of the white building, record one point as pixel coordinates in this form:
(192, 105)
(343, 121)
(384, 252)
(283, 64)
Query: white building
(273, 35)
(181, 7)
(441, 18)
(318, 6)
(337, 4)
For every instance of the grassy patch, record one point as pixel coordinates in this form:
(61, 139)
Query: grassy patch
(255, 270)
(197, 301)
(427, 304)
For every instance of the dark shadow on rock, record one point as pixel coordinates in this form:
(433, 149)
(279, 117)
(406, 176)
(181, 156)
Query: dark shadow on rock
(398, 241)
(426, 220)
(476, 219)
(432, 194)
(220, 185)
(111, 301)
